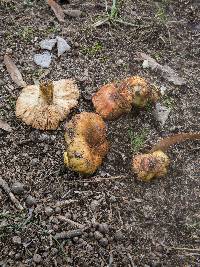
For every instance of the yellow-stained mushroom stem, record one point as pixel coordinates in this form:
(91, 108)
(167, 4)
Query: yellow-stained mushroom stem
(46, 92)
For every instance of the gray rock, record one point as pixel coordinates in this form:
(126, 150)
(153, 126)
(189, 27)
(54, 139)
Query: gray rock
(62, 46)
(30, 201)
(119, 62)
(54, 251)
(2, 82)
(103, 228)
(58, 210)
(118, 236)
(43, 60)
(48, 211)
(16, 240)
(97, 235)
(34, 161)
(17, 188)
(47, 44)
(113, 199)
(75, 239)
(103, 242)
(94, 204)
(145, 64)
(161, 113)
(37, 258)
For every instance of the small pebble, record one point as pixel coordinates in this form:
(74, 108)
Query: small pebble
(17, 256)
(34, 162)
(58, 210)
(119, 62)
(118, 236)
(113, 199)
(37, 258)
(91, 234)
(17, 188)
(94, 204)
(75, 239)
(103, 242)
(48, 211)
(16, 240)
(54, 251)
(47, 44)
(30, 201)
(62, 46)
(103, 228)
(43, 60)
(97, 235)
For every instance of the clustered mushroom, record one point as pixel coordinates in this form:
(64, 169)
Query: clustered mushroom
(112, 100)
(86, 143)
(44, 106)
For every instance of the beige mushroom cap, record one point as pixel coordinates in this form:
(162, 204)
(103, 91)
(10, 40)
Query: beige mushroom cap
(44, 106)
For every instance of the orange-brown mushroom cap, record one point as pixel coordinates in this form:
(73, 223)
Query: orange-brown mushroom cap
(86, 143)
(108, 102)
(138, 91)
(148, 166)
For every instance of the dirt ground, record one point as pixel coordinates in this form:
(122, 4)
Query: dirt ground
(125, 222)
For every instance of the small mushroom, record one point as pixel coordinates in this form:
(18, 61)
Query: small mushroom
(148, 166)
(44, 106)
(109, 103)
(138, 91)
(86, 143)
(112, 100)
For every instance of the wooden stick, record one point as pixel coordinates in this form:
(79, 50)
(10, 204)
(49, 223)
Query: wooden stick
(6, 188)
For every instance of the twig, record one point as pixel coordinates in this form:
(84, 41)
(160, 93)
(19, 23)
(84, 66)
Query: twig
(187, 249)
(127, 23)
(131, 260)
(65, 202)
(6, 188)
(100, 179)
(69, 234)
(73, 223)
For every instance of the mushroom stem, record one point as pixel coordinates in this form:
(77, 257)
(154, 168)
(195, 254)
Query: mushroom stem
(46, 92)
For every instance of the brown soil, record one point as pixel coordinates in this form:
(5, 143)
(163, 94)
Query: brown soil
(147, 224)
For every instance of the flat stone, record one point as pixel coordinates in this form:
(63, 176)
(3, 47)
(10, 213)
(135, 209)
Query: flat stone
(43, 60)
(62, 46)
(48, 44)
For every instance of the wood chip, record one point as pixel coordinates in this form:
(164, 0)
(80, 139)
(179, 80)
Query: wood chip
(13, 71)
(5, 126)
(167, 72)
(57, 9)
(73, 12)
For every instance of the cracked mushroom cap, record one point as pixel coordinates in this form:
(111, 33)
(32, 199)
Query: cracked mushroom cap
(44, 106)
(138, 91)
(148, 166)
(86, 143)
(109, 103)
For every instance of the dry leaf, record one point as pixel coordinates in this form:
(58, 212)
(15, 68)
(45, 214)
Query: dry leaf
(167, 72)
(13, 71)
(57, 9)
(5, 126)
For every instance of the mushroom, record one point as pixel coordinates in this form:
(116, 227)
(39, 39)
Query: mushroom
(148, 166)
(109, 103)
(44, 106)
(138, 91)
(112, 100)
(86, 143)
